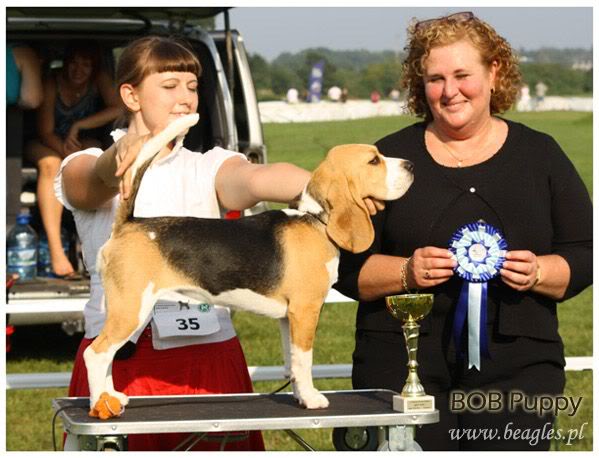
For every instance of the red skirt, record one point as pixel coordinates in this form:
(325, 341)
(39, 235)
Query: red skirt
(196, 369)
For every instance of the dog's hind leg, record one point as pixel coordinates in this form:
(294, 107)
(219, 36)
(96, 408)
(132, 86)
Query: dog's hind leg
(302, 332)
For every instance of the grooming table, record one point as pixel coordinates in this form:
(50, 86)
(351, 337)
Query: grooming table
(208, 414)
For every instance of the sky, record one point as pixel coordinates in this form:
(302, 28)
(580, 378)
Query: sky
(270, 31)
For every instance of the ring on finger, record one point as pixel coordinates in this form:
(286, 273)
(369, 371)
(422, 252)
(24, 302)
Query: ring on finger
(427, 274)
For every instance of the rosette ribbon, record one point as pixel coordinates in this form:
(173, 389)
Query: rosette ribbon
(479, 250)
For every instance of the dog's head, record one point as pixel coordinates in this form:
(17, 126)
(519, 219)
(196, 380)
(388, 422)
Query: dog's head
(348, 175)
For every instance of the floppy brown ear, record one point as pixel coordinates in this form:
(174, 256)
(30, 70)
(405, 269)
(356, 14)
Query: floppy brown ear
(349, 224)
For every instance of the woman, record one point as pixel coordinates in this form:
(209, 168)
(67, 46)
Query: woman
(472, 165)
(71, 109)
(158, 81)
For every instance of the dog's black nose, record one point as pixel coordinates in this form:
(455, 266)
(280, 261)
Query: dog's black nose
(408, 165)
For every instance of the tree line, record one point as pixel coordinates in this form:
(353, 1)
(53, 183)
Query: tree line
(362, 72)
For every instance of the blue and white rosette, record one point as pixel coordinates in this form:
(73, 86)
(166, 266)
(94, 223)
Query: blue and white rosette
(480, 250)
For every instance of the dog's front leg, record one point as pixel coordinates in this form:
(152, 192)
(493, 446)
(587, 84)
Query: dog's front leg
(98, 362)
(302, 333)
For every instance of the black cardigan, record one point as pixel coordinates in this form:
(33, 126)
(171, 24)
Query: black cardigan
(529, 190)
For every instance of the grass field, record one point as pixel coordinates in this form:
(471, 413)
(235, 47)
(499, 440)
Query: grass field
(47, 349)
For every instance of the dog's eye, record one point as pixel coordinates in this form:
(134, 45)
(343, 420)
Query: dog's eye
(375, 161)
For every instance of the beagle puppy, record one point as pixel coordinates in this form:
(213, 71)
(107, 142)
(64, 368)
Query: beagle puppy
(278, 263)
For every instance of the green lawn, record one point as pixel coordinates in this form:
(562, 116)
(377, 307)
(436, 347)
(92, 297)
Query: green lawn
(45, 349)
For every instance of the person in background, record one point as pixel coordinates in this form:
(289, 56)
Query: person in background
(524, 101)
(78, 98)
(540, 91)
(344, 94)
(334, 93)
(24, 91)
(470, 164)
(23, 77)
(375, 96)
(292, 96)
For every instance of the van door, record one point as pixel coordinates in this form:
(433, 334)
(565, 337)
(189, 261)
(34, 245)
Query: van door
(247, 116)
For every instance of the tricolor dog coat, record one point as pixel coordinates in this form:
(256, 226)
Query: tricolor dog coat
(279, 263)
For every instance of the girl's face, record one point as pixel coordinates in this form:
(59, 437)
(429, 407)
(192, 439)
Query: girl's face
(458, 85)
(160, 98)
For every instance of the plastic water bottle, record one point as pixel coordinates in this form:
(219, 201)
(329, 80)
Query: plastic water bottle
(21, 249)
(44, 261)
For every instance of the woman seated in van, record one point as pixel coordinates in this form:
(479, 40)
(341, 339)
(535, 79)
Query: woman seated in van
(78, 98)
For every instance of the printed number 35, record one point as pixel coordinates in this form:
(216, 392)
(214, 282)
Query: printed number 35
(190, 323)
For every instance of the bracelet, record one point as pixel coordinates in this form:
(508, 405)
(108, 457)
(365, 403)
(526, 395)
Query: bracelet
(404, 275)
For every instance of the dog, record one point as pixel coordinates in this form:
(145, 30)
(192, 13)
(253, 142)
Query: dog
(298, 249)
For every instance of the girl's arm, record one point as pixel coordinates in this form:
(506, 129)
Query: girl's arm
(241, 184)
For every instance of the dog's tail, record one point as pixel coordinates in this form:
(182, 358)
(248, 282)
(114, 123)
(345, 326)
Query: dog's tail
(144, 159)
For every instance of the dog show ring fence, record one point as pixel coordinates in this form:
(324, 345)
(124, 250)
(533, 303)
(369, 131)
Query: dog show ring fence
(257, 373)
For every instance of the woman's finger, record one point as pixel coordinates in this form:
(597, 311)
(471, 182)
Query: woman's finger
(520, 255)
(525, 268)
(370, 206)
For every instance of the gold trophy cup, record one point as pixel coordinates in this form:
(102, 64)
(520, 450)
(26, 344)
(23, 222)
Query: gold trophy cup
(411, 308)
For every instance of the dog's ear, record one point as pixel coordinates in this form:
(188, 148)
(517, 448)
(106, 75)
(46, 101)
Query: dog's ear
(349, 224)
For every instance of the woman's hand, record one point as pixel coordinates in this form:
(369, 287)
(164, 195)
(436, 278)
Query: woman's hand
(374, 205)
(428, 267)
(71, 141)
(520, 270)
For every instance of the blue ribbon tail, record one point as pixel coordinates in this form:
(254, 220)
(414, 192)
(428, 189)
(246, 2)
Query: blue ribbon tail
(474, 306)
(477, 324)
(484, 341)
(461, 312)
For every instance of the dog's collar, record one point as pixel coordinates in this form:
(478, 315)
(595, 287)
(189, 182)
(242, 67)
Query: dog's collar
(306, 203)
(319, 217)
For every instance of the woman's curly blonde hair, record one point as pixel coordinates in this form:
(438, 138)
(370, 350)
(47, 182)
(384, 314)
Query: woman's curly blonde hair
(423, 36)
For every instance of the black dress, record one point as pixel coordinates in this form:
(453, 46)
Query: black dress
(532, 193)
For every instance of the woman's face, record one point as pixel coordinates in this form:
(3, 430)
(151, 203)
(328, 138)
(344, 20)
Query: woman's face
(162, 97)
(458, 85)
(79, 70)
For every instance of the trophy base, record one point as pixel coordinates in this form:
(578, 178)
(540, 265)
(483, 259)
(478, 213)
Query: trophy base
(413, 403)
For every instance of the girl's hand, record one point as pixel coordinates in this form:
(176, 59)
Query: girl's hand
(520, 270)
(127, 149)
(429, 266)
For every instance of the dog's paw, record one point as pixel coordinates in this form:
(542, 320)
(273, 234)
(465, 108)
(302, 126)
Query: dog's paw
(313, 400)
(122, 397)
